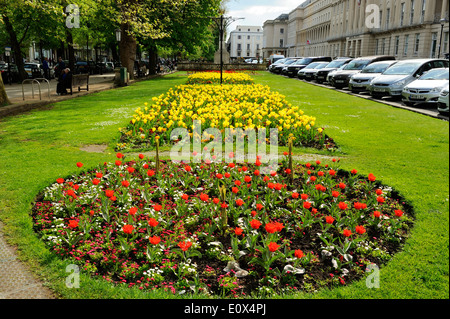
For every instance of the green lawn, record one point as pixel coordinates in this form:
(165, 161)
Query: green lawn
(405, 150)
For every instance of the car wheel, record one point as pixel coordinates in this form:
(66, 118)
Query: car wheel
(408, 103)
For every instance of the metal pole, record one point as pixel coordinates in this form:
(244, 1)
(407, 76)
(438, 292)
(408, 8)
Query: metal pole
(221, 47)
(440, 41)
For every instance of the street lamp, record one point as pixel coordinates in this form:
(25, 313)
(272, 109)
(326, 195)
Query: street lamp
(442, 21)
(222, 23)
(118, 34)
(118, 38)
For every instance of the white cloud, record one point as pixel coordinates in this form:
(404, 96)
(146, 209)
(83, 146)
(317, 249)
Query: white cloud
(257, 12)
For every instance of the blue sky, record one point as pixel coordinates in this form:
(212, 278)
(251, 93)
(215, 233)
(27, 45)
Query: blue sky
(256, 12)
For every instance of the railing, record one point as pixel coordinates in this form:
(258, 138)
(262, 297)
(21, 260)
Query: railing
(32, 87)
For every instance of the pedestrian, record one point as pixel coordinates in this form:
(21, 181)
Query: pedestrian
(64, 82)
(60, 67)
(46, 68)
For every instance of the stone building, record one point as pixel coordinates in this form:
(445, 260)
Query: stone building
(245, 42)
(403, 28)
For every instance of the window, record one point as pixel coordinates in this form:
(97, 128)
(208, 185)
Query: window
(402, 13)
(281, 30)
(376, 46)
(445, 47)
(257, 46)
(422, 15)
(381, 18)
(383, 45)
(248, 30)
(281, 43)
(388, 17)
(239, 46)
(248, 53)
(239, 37)
(411, 15)
(248, 46)
(405, 47)
(397, 42)
(416, 43)
(433, 44)
(248, 37)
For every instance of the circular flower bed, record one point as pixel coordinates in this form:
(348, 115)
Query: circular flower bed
(222, 229)
(237, 106)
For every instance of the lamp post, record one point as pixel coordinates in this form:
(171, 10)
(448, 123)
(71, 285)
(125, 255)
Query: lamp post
(118, 39)
(442, 21)
(222, 22)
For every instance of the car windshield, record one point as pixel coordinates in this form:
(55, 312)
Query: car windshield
(440, 74)
(357, 65)
(279, 61)
(312, 65)
(288, 62)
(402, 68)
(303, 61)
(321, 65)
(336, 64)
(376, 68)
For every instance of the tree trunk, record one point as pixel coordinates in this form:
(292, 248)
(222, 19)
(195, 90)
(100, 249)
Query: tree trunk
(69, 40)
(3, 96)
(127, 49)
(15, 48)
(152, 57)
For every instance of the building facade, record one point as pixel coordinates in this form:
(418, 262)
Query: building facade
(275, 36)
(245, 42)
(403, 28)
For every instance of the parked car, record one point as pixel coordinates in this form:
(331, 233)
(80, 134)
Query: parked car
(342, 78)
(321, 75)
(34, 70)
(293, 69)
(443, 101)
(392, 81)
(271, 66)
(310, 75)
(427, 88)
(360, 81)
(307, 72)
(331, 74)
(14, 73)
(279, 68)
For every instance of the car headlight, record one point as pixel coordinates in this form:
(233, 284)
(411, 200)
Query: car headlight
(436, 90)
(405, 89)
(399, 84)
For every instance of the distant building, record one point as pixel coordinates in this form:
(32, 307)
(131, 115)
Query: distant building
(245, 42)
(275, 36)
(403, 28)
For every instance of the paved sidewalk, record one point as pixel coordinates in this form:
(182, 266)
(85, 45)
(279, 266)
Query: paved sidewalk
(16, 281)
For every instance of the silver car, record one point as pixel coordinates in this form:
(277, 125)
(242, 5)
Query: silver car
(443, 101)
(309, 67)
(331, 74)
(360, 81)
(427, 88)
(310, 73)
(392, 81)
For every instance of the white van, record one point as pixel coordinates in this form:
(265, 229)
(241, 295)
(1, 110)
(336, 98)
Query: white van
(275, 57)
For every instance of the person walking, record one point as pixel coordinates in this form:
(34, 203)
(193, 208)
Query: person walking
(46, 68)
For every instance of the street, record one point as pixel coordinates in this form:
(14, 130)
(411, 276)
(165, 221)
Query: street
(14, 91)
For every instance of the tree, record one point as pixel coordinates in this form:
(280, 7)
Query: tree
(175, 22)
(3, 96)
